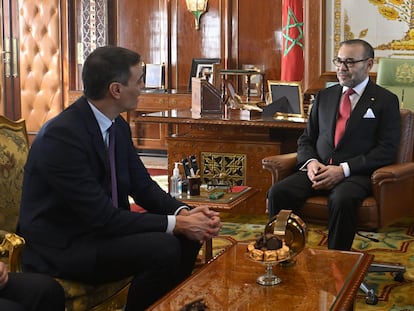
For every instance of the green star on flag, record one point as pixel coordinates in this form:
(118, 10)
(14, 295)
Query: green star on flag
(292, 23)
(292, 58)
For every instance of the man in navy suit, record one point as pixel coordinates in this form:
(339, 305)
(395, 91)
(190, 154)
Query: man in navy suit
(343, 170)
(76, 224)
(29, 292)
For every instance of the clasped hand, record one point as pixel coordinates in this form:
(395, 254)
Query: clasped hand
(198, 224)
(324, 177)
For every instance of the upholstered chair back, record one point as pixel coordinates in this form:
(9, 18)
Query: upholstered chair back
(14, 148)
(397, 75)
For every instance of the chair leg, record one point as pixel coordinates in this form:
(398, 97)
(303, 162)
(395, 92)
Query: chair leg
(398, 271)
(383, 267)
(371, 298)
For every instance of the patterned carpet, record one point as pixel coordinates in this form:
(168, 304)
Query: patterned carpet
(396, 245)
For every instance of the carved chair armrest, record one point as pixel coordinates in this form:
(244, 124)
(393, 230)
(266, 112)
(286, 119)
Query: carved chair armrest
(392, 187)
(280, 166)
(12, 245)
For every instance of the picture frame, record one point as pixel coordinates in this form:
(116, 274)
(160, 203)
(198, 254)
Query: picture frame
(256, 81)
(316, 74)
(201, 67)
(154, 76)
(286, 100)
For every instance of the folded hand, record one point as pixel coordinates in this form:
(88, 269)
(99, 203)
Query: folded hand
(200, 224)
(328, 177)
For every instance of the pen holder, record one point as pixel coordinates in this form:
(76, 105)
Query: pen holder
(184, 186)
(194, 184)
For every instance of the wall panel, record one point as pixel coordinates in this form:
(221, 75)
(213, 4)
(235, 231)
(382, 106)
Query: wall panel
(189, 43)
(143, 27)
(259, 35)
(236, 31)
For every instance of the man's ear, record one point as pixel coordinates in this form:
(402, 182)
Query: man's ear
(115, 90)
(370, 63)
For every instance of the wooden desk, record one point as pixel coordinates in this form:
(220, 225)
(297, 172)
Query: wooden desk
(320, 280)
(251, 137)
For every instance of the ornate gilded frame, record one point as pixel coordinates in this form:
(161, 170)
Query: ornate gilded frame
(292, 91)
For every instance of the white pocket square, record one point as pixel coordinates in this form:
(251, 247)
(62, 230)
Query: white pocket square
(369, 114)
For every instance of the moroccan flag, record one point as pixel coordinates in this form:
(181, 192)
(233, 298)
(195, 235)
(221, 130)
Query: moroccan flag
(292, 42)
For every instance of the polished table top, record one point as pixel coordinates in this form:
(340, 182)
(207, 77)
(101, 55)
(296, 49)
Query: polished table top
(320, 280)
(236, 117)
(227, 202)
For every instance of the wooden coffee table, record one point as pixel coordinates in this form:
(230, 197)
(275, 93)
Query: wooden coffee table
(319, 280)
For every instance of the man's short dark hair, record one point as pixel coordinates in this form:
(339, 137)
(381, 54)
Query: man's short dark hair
(105, 65)
(368, 49)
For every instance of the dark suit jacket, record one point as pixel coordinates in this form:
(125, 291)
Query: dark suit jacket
(66, 205)
(367, 143)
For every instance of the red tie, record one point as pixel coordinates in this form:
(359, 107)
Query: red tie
(343, 115)
(111, 152)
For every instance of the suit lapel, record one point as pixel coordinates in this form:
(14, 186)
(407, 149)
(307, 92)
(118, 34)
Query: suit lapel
(93, 129)
(366, 101)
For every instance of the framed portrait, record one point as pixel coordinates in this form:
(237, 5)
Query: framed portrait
(204, 68)
(154, 76)
(286, 100)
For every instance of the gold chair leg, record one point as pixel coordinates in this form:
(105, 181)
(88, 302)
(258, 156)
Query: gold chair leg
(13, 245)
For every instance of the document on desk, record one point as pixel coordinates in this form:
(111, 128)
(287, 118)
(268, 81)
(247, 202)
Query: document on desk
(238, 188)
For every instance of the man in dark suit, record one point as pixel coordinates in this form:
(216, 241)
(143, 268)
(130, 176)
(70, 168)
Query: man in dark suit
(79, 226)
(29, 292)
(341, 165)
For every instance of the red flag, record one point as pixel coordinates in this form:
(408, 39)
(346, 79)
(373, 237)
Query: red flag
(292, 47)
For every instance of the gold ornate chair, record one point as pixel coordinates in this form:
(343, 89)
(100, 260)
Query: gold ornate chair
(14, 149)
(392, 196)
(397, 75)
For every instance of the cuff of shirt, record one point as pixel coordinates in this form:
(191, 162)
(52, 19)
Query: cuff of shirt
(181, 208)
(171, 219)
(304, 166)
(345, 168)
(171, 223)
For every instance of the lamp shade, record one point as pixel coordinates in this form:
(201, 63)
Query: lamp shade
(197, 8)
(197, 5)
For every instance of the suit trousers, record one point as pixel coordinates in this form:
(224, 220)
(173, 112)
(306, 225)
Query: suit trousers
(31, 292)
(157, 261)
(343, 202)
